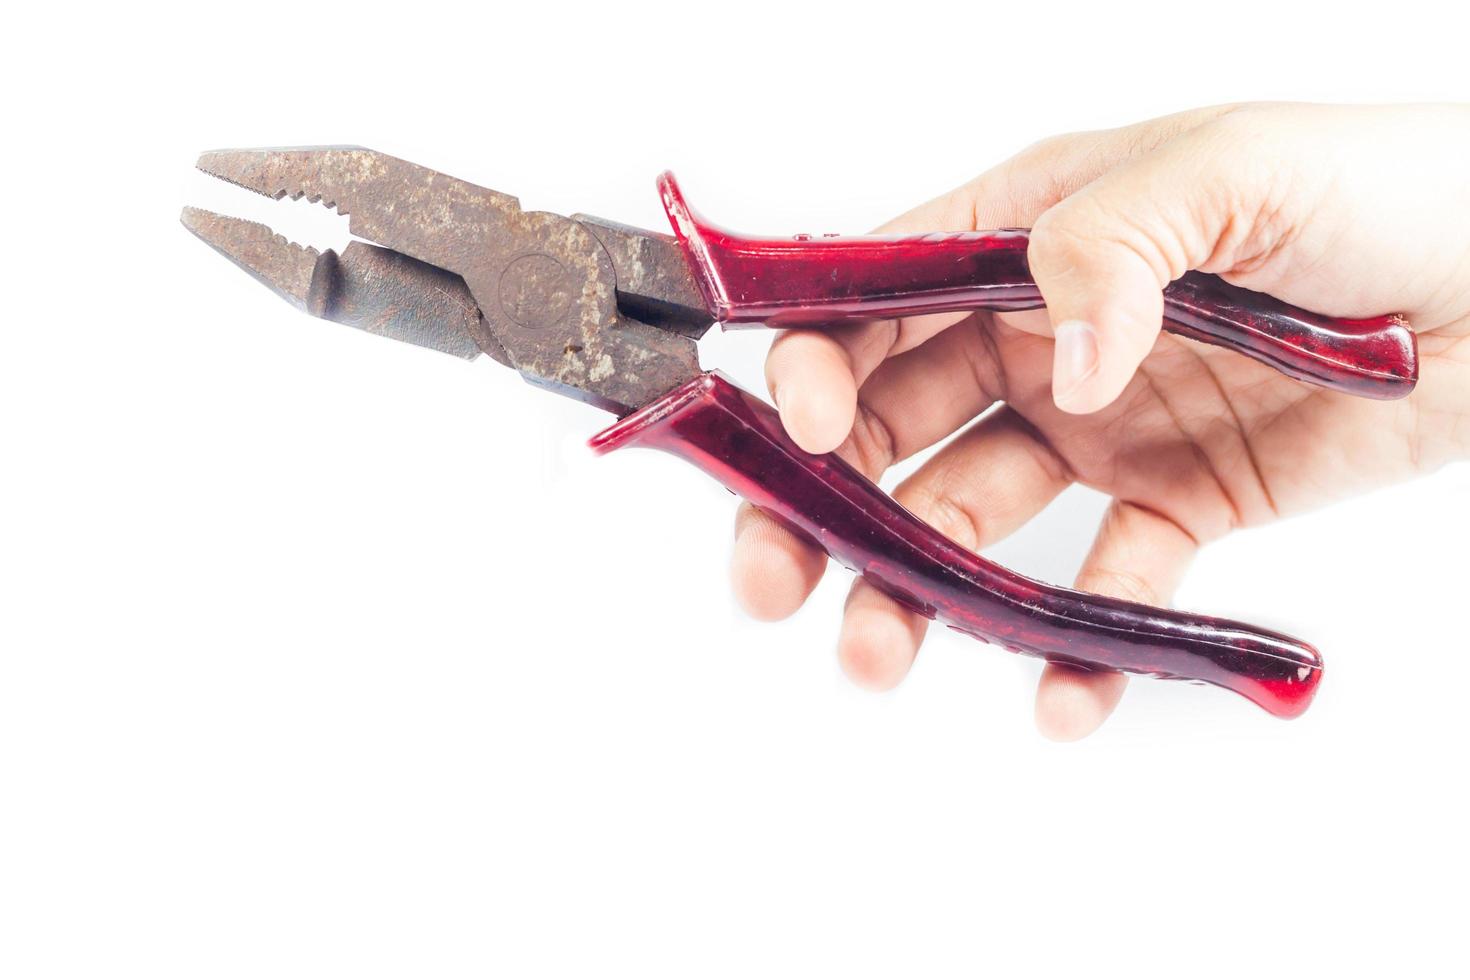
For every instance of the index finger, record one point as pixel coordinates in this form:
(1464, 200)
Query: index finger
(814, 376)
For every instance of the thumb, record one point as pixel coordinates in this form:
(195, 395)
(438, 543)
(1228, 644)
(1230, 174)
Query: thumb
(1101, 259)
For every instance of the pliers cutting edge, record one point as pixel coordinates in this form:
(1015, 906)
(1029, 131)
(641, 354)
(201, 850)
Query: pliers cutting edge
(610, 314)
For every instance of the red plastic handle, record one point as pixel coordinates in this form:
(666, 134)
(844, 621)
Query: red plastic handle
(807, 281)
(738, 439)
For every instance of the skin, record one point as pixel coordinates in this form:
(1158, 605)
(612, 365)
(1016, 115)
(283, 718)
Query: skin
(1346, 210)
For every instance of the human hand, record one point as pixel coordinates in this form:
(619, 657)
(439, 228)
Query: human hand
(1347, 211)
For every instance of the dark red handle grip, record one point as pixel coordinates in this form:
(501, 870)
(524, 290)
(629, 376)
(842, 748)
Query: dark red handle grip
(814, 281)
(738, 439)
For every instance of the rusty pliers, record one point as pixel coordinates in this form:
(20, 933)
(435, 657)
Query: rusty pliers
(610, 315)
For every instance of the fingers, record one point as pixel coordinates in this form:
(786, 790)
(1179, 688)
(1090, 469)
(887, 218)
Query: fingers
(814, 376)
(772, 570)
(879, 638)
(1139, 555)
(1102, 257)
(1072, 703)
(814, 379)
(1103, 285)
(912, 402)
(988, 482)
(925, 395)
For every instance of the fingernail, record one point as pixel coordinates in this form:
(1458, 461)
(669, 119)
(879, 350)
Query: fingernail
(1075, 359)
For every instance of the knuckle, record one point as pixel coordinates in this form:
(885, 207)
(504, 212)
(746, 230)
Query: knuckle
(957, 213)
(1063, 239)
(870, 446)
(987, 366)
(1052, 159)
(1093, 233)
(1247, 117)
(940, 505)
(1049, 149)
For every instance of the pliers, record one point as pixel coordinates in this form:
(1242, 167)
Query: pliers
(610, 314)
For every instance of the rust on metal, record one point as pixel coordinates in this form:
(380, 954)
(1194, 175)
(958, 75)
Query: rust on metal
(653, 276)
(387, 293)
(598, 311)
(282, 266)
(374, 289)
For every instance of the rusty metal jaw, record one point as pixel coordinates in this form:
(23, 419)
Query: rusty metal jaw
(590, 309)
(368, 287)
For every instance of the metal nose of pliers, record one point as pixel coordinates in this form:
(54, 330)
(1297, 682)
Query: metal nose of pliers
(463, 269)
(371, 288)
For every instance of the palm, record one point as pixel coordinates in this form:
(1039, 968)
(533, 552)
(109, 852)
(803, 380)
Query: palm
(1207, 438)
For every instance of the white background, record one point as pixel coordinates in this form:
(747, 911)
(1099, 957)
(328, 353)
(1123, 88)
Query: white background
(321, 656)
